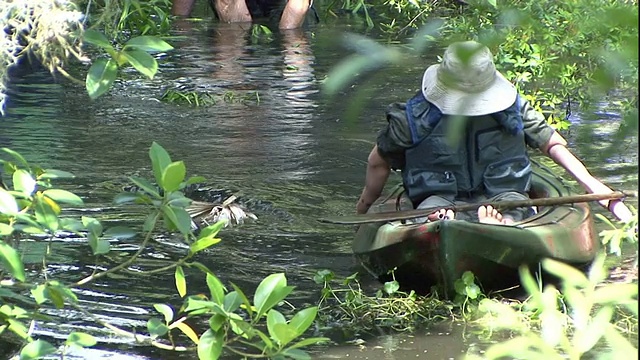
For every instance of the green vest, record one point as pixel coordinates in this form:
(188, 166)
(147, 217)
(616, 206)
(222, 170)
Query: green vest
(490, 157)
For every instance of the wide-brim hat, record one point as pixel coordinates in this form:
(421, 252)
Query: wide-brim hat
(467, 83)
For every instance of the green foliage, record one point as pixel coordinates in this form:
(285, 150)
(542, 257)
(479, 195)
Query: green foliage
(557, 53)
(134, 52)
(228, 329)
(206, 98)
(569, 323)
(344, 302)
(123, 19)
(260, 32)
(468, 293)
(32, 205)
(614, 236)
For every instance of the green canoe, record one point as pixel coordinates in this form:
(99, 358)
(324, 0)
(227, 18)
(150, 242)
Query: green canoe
(439, 252)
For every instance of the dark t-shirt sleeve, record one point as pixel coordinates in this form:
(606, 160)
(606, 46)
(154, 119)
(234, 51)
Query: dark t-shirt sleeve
(395, 137)
(537, 131)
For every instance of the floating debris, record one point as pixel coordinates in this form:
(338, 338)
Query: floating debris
(209, 213)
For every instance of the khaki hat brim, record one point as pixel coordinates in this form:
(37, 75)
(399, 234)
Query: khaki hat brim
(499, 96)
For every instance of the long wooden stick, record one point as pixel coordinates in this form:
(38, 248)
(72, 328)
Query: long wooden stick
(500, 205)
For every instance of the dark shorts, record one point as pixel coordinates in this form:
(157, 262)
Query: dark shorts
(517, 214)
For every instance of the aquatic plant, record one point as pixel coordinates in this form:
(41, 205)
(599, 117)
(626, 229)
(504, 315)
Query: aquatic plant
(32, 207)
(345, 304)
(45, 29)
(567, 322)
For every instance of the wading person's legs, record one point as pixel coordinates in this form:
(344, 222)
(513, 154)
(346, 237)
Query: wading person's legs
(294, 14)
(182, 7)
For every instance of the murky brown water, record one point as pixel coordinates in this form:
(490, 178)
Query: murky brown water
(293, 156)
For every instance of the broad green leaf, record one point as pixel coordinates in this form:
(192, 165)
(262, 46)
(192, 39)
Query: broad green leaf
(146, 186)
(232, 301)
(156, 327)
(493, 3)
(71, 224)
(195, 180)
(216, 321)
(55, 174)
(165, 310)
(614, 293)
(284, 333)
(468, 278)
(202, 244)
(195, 305)
(38, 293)
(187, 330)
(150, 222)
(160, 159)
(5, 229)
(566, 273)
(210, 345)
(97, 38)
(303, 319)
(472, 291)
(275, 317)
(141, 61)
(245, 301)
(181, 283)
(148, 43)
(241, 327)
(597, 270)
(212, 230)
(216, 288)
(390, 287)
(24, 182)
(177, 199)
(100, 247)
(12, 261)
(124, 198)
(530, 285)
(63, 196)
(309, 341)
(296, 354)
(100, 77)
(120, 232)
(270, 292)
(36, 349)
(8, 204)
(93, 225)
(595, 330)
(80, 339)
(16, 155)
(172, 175)
(179, 218)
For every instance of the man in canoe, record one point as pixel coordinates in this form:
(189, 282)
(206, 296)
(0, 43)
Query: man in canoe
(493, 126)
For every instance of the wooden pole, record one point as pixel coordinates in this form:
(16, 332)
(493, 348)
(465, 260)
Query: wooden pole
(500, 205)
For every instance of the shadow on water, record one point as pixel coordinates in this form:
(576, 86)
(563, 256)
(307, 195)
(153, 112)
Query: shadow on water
(276, 141)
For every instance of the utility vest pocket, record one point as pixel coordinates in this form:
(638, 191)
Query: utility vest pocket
(422, 184)
(512, 174)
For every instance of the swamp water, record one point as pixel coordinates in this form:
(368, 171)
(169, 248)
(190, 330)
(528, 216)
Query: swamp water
(289, 152)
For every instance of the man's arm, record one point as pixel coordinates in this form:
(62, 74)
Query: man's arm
(556, 149)
(378, 170)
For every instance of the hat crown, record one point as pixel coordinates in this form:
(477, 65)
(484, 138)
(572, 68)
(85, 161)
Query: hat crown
(467, 66)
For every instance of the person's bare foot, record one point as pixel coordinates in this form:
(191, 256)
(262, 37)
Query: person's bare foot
(489, 215)
(445, 214)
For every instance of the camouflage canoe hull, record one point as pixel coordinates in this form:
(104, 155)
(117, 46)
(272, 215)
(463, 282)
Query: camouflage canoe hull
(438, 253)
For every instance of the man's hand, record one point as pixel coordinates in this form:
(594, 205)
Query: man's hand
(616, 207)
